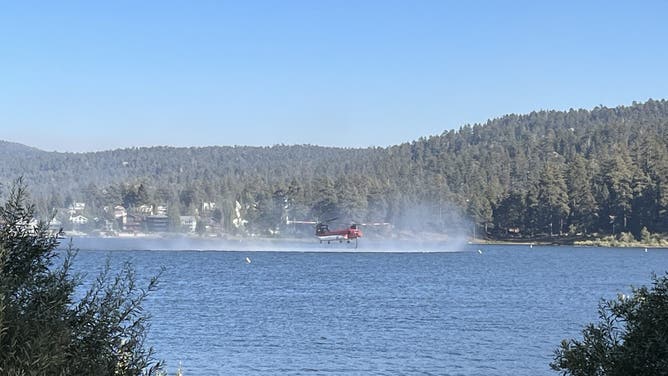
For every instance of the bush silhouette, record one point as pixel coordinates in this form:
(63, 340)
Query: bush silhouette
(43, 330)
(630, 339)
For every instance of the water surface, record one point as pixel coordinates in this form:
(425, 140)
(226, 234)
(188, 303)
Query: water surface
(501, 311)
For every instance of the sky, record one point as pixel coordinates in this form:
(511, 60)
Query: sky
(93, 75)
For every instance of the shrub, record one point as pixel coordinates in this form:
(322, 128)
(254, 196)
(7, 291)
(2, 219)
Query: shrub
(645, 236)
(626, 237)
(43, 331)
(631, 339)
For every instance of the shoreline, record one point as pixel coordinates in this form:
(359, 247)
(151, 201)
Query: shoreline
(602, 242)
(412, 244)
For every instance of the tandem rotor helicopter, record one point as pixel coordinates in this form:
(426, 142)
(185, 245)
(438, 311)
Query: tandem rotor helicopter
(325, 234)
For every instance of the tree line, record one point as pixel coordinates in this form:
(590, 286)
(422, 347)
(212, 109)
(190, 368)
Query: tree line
(46, 329)
(603, 170)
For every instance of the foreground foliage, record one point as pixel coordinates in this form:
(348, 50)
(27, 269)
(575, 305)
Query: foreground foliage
(631, 338)
(43, 330)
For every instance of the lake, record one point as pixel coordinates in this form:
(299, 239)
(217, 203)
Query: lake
(500, 311)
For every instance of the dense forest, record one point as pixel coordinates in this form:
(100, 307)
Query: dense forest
(547, 173)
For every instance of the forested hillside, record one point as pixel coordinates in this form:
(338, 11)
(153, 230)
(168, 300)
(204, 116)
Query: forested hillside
(603, 171)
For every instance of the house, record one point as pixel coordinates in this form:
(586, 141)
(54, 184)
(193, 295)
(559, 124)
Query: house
(188, 223)
(119, 211)
(157, 223)
(79, 220)
(77, 208)
(161, 210)
(208, 207)
(144, 209)
(133, 223)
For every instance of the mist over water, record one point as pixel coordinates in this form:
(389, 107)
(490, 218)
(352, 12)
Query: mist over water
(264, 245)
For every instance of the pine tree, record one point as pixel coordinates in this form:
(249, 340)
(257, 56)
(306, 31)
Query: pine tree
(552, 197)
(509, 213)
(582, 205)
(617, 176)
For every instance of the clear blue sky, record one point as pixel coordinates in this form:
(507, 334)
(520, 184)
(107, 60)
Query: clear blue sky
(94, 75)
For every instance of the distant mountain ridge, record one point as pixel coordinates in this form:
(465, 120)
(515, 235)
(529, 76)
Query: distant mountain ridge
(7, 147)
(597, 114)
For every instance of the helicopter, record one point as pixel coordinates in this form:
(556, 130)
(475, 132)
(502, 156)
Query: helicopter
(325, 234)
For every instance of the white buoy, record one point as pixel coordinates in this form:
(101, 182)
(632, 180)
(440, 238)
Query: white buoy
(248, 260)
(645, 249)
(530, 245)
(480, 252)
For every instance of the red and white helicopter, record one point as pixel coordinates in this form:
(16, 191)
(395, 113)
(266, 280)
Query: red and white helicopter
(325, 234)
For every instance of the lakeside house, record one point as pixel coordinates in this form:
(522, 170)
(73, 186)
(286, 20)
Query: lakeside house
(77, 208)
(188, 223)
(157, 223)
(144, 209)
(119, 211)
(161, 210)
(133, 223)
(118, 220)
(208, 207)
(79, 220)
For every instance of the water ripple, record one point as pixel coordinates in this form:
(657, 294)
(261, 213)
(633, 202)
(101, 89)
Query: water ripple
(500, 313)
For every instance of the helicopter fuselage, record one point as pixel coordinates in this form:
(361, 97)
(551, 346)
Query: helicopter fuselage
(323, 233)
